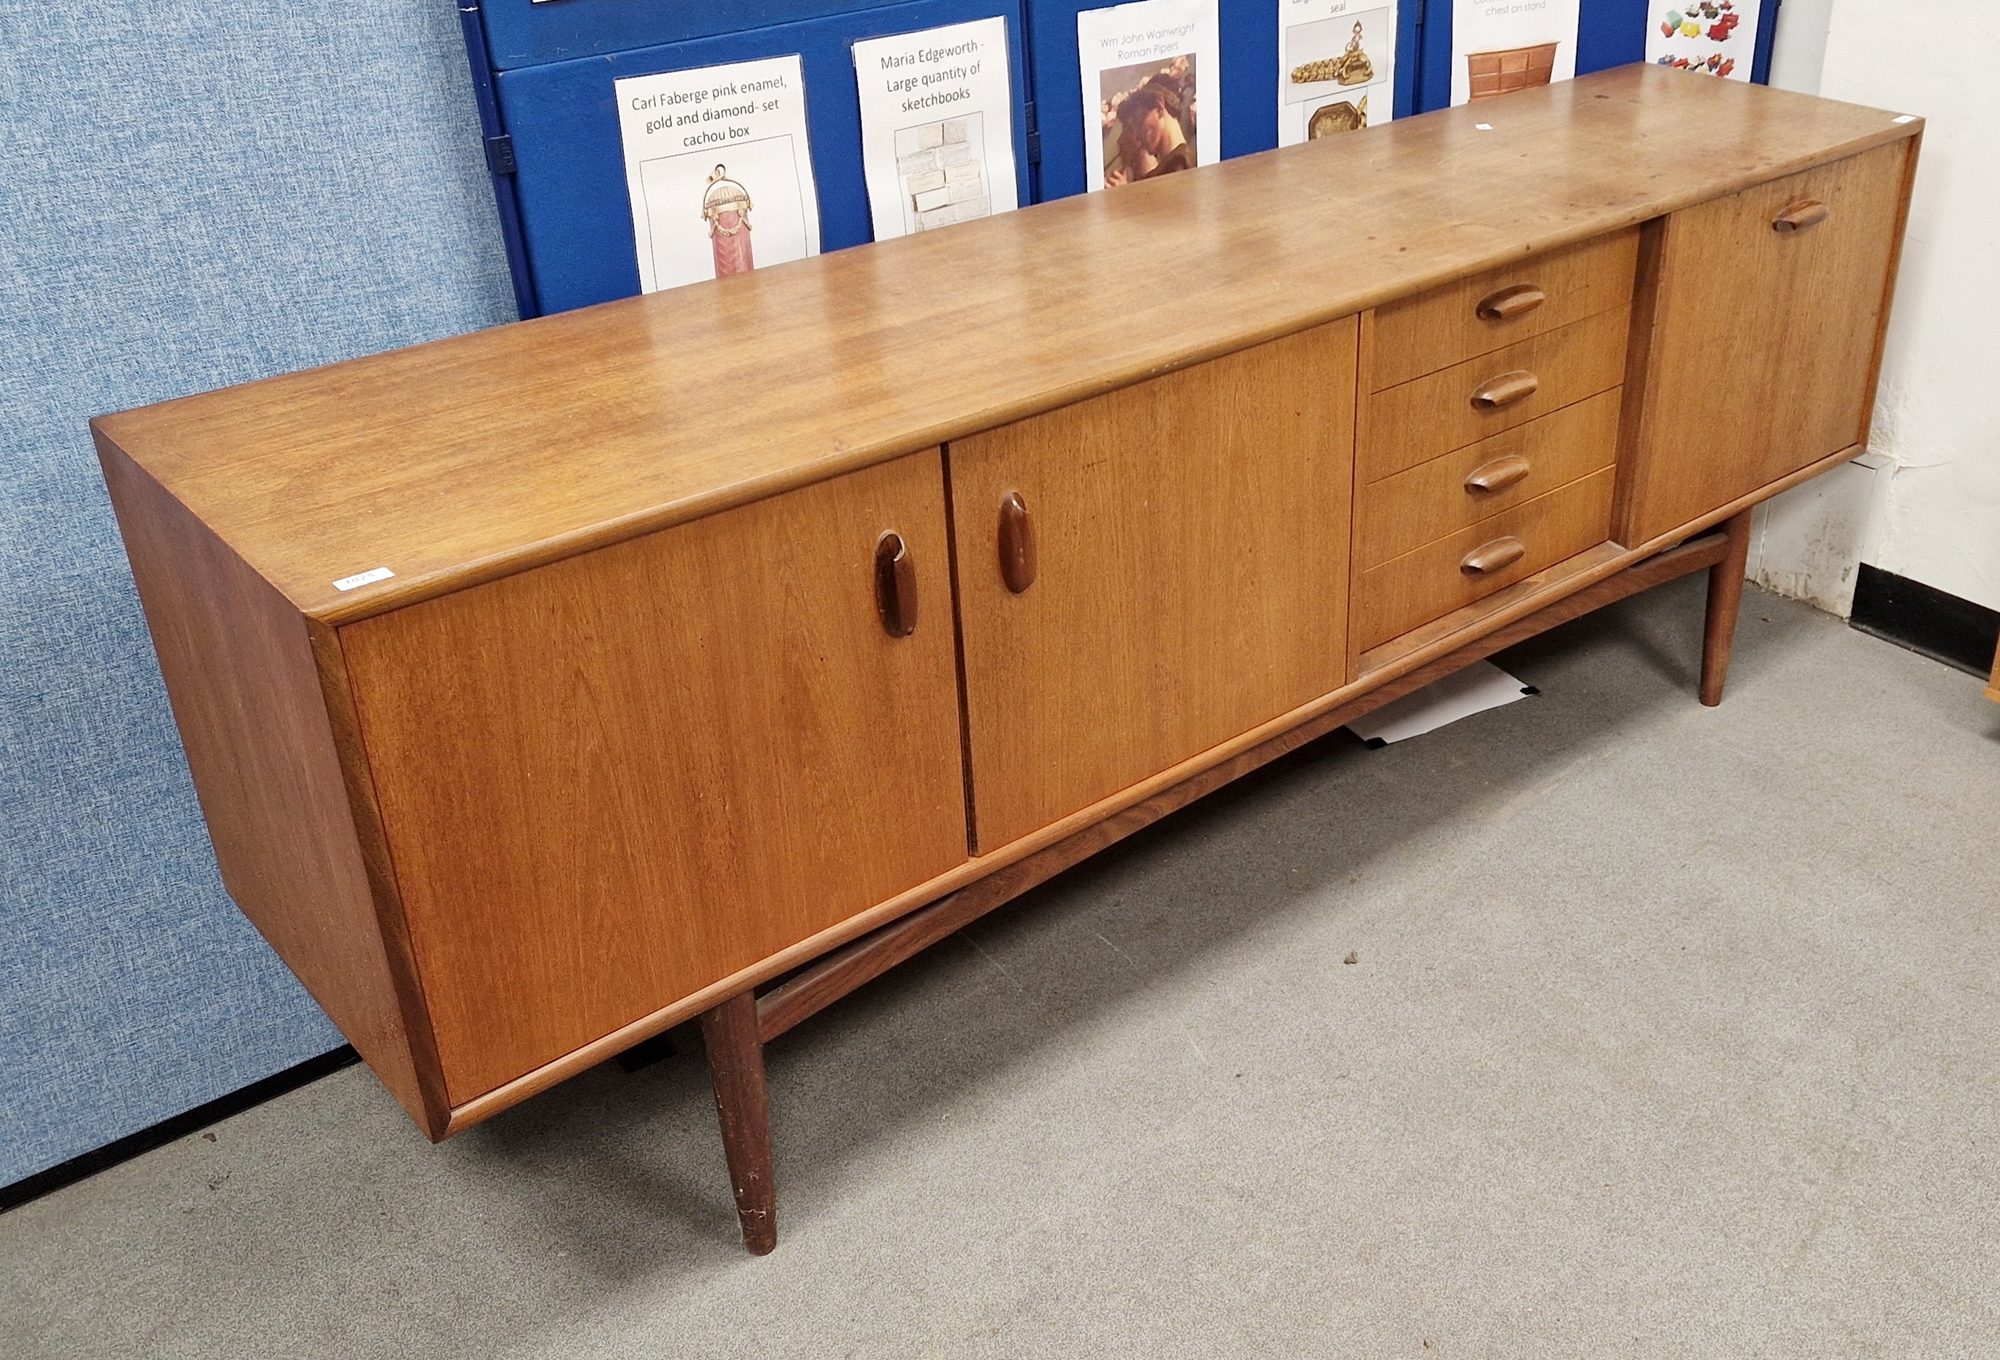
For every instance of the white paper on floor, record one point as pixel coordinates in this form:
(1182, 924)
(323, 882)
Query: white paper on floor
(1478, 687)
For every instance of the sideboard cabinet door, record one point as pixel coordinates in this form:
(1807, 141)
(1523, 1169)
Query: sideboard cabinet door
(1151, 572)
(1766, 327)
(611, 781)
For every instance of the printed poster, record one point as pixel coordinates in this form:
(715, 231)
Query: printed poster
(718, 170)
(1143, 65)
(937, 126)
(1336, 67)
(1714, 37)
(1499, 46)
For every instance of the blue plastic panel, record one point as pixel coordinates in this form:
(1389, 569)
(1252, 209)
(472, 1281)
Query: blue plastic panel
(1249, 84)
(576, 217)
(522, 33)
(1608, 33)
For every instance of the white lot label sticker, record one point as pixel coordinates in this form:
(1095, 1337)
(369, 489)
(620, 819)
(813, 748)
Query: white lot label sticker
(365, 578)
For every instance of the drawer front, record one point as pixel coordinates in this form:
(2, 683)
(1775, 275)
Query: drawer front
(1429, 583)
(1445, 326)
(1402, 513)
(1419, 420)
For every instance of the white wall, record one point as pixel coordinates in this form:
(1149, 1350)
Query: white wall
(1929, 506)
(1799, 49)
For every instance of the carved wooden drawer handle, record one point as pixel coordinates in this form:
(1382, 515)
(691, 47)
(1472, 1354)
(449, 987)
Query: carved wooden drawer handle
(1017, 543)
(1511, 302)
(1504, 390)
(1491, 557)
(895, 585)
(1807, 212)
(1498, 474)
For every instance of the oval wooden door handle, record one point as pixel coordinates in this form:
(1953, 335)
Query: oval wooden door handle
(895, 585)
(1490, 557)
(1498, 474)
(1511, 302)
(1505, 390)
(1017, 543)
(1807, 212)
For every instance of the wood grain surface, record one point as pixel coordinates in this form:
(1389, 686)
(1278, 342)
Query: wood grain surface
(1762, 342)
(1428, 416)
(1191, 583)
(1429, 583)
(1422, 334)
(610, 782)
(470, 458)
(1426, 502)
(246, 693)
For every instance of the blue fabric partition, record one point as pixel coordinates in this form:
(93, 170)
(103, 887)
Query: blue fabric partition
(191, 195)
(576, 214)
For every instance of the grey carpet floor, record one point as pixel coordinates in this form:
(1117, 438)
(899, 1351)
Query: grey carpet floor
(1674, 1032)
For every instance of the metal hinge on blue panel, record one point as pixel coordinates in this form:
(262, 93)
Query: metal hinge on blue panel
(500, 154)
(1033, 133)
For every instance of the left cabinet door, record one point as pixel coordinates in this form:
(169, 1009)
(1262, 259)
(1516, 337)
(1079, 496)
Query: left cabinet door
(611, 781)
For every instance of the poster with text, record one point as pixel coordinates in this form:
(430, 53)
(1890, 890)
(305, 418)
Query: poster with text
(1500, 46)
(1714, 37)
(1336, 67)
(718, 170)
(937, 126)
(1143, 66)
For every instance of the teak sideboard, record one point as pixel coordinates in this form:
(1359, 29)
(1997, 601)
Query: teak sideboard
(551, 686)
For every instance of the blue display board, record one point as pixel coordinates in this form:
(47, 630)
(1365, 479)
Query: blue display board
(568, 160)
(543, 74)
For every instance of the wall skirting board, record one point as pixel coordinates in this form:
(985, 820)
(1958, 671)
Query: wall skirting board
(180, 1126)
(1925, 619)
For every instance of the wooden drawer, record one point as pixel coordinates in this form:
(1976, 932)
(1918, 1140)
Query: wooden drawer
(1401, 513)
(1419, 420)
(1429, 583)
(1443, 327)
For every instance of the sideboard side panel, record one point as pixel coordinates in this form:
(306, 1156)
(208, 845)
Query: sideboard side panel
(612, 781)
(241, 675)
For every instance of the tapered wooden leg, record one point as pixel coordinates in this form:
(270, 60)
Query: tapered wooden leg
(736, 1065)
(1725, 597)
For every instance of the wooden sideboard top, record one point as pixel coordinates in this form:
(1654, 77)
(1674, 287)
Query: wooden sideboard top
(469, 458)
